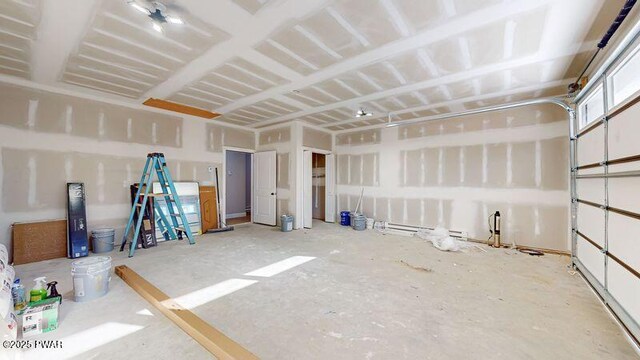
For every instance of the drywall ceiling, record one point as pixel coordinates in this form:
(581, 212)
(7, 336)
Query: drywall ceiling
(263, 62)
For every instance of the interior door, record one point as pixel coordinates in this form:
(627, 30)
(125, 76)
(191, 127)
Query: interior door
(330, 189)
(264, 185)
(307, 189)
(208, 208)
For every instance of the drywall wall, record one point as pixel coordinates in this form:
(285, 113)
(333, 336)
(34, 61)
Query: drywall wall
(236, 184)
(316, 139)
(48, 139)
(455, 173)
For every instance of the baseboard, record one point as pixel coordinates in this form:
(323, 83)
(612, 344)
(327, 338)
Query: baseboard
(236, 215)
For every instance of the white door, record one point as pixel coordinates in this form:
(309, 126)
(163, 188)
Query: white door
(307, 190)
(264, 185)
(330, 189)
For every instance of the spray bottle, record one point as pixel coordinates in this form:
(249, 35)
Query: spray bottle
(39, 291)
(53, 292)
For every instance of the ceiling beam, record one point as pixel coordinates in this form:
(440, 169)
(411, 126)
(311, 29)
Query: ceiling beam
(446, 30)
(247, 30)
(440, 81)
(62, 26)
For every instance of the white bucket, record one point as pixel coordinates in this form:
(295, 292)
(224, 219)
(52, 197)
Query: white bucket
(91, 277)
(370, 222)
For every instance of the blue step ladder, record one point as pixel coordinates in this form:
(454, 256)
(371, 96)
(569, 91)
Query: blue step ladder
(172, 226)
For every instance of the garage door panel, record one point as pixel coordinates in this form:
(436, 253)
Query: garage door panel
(623, 133)
(591, 190)
(624, 239)
(591, 258)
(624, 193)
(591, 222)
(625, 288)
(591, 147)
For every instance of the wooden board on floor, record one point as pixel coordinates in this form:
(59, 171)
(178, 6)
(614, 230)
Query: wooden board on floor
(206, 335)
(208, 208)
(37, 241)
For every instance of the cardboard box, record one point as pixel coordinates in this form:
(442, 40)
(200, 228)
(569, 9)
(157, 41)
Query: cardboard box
(77, 241)
(39, 317)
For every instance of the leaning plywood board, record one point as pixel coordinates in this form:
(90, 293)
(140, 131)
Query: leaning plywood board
(206, 335)
(208, 208)
(39, 241)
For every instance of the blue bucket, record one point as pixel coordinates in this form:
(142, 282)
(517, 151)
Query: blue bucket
(345, 218)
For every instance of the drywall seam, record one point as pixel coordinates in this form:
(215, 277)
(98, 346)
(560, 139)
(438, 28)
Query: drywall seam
(29, 140)
(524, 196)
(85, 94)
(496, 136)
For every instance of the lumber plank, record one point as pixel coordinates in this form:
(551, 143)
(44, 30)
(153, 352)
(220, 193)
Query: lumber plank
(206, 335)
(183, 109)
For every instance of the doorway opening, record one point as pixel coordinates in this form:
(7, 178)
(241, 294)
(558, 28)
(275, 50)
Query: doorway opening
(318, 175)
(318, 187)
(238, 187)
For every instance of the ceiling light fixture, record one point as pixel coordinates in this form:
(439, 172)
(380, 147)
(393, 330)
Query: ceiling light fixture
(174, 20)
(157, 11)
(362, 113)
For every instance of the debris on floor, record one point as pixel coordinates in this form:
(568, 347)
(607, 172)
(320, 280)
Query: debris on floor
(440, 238)
(419, 268)
(531, 252)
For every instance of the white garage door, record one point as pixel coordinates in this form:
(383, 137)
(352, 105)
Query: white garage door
(606, 189)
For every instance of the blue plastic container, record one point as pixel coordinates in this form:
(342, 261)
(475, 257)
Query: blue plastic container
(345, 218)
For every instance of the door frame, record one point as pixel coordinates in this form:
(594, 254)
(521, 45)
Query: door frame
(300, 212)
(223, 183)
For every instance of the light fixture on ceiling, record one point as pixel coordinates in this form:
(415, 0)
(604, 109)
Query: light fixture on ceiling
(391, 123)
(157, 11)
(362, 113)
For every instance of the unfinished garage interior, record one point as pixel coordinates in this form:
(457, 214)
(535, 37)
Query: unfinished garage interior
(319, 179)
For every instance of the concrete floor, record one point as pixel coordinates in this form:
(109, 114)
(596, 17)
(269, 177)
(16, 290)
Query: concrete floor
(360, 298)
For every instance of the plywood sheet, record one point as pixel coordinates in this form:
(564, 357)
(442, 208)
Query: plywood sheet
(208, 208)
(38, 241)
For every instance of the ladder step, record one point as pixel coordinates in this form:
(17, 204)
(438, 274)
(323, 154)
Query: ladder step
(158, 195)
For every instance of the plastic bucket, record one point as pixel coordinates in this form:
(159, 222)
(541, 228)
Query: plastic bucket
(286, 223)
(103, 240)
(91, 277)
(370, 222)
(358, 222)
(345, 218)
